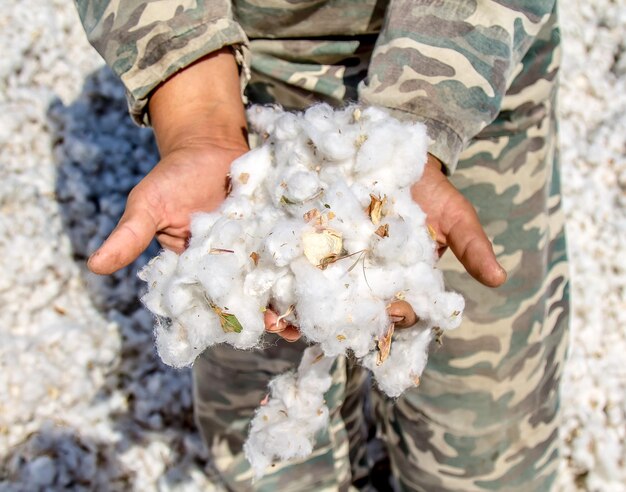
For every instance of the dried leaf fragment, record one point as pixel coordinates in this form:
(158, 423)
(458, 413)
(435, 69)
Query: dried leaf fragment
(384, 344)
(228, 321)
(59, 310)
(255, 257)
(438, 335)
(360, 140)
(311, 215)
(219, 251)
(341, 338)
(286, 201)
(382, 231)
(375, 208)
(244, 177)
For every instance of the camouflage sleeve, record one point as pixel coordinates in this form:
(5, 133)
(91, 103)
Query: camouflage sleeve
(449, 63)
(147, 41)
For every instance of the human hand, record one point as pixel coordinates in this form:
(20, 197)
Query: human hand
(400, 313)
(200, 128)
(189, 179)
(455, 224)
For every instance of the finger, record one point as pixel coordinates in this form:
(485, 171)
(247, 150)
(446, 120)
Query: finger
(291, 334)
(469, 243)
(277, 325)
(173, 243)
(128, 240)
(272, 322)
(402, 314)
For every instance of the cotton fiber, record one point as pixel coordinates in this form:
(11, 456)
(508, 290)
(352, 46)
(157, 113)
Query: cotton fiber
(319, 227)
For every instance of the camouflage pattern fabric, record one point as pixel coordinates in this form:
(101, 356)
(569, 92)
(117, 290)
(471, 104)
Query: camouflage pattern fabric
(485, 416)
(482, 76)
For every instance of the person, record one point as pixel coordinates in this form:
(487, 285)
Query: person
(482, 76)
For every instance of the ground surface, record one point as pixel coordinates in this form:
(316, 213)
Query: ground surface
(84, 402)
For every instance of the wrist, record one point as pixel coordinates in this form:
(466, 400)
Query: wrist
(200, 104)
(433, 162)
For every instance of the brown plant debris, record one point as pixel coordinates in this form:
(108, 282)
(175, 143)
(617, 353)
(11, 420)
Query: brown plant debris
(384, 345)
(382, 231)
(375, 208)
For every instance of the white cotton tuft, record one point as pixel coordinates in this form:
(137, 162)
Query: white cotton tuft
(320, 226)
(405, 363)
(284, 427)
(248, 171)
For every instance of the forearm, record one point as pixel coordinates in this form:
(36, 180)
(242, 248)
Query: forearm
(200, 104)
(449, 64)
(146, 43)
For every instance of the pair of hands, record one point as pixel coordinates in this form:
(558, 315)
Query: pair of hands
(199, 123)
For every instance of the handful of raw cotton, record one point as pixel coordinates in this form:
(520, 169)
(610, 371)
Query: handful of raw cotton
(319, 225)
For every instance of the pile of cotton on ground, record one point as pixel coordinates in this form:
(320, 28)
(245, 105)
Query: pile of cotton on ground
(319, 225)
(110, 401)
(593, 142)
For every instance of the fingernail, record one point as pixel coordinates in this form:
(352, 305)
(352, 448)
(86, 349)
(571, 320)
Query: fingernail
(396, 319)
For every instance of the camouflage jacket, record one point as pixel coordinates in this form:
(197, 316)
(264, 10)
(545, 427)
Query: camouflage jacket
(456, 65)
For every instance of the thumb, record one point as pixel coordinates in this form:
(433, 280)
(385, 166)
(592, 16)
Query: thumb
(469, 243)
(129, 239)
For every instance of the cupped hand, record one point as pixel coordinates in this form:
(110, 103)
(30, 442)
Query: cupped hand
(456, 225)
(189, 179)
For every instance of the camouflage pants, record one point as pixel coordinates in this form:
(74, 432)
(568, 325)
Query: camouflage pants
(485, 416)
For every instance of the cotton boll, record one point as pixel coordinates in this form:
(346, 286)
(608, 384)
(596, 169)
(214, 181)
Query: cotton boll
(259, 281)
(287, 127)
(423, 278)
(447, 307)
(225, 235)
(237, 208)
(157, 274)
(375, 150)
(403, 205)
(263, 118)
(173, 345)
(301, 186)
(371, 116)
(303, 155)
(319, 119)
(285, 427)
(201, 224)
(405, 364)
(283, 242)
(350, 218)
(249, 313)
(217, 273)
(395, 241)
(202, 327)
(384, 281)
(336, 146)
(248, 171)
(409, 156)
(179, 295)
(400, 147)
(283, 293)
